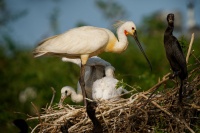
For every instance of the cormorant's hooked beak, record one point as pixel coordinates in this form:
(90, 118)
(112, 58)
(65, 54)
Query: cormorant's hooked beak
(138, 43)
(171, 21)
(170, 18)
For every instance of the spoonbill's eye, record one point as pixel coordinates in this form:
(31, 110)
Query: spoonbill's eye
(66, 92)
(133, 28)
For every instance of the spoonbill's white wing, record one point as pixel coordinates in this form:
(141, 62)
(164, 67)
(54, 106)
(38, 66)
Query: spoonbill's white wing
(75, 42)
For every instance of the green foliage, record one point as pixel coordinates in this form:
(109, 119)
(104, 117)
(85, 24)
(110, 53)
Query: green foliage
(121, 83)
(184, 44)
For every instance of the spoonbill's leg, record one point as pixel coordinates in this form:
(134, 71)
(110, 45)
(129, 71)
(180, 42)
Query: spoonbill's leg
(84, 59)
(82, 83)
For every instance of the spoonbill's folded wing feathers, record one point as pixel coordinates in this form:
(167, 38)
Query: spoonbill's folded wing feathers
(39, 51)
(82, 40)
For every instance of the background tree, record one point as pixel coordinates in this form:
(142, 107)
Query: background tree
(111, 10)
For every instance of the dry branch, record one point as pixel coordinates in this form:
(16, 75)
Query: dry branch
(54, 92)
(190, 47)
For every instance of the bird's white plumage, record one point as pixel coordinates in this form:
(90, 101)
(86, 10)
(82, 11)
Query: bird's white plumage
(105, 89)
(69, 42)
(101, 88)
(67, 91)
(94, 69)
(86, 40)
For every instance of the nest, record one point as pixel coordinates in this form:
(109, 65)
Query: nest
(138, 113)
(149, 111)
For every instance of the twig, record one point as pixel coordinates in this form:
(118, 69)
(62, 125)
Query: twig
(190, 47)
(37, 113)
(158, 106)
(129, 86)
(54, 92)
(35, 128)
(45, 116)
(156, 86)
(196, 58)
(104, 119)
(122, 94)
(79, 123)
(68, 115)
(70, 107)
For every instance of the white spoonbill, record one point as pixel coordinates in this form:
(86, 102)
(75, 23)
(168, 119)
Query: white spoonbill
(94, 69)
(87, 41)
(102, 89)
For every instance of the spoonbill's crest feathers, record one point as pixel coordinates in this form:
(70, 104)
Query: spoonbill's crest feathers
(126, 24)
(118, 24)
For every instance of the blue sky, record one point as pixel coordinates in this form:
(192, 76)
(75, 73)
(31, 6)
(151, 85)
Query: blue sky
(32, 27)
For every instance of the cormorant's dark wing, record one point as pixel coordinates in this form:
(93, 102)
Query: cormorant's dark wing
(179, 57)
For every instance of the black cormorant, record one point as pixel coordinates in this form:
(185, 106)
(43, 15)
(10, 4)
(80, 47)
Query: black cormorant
(175, 54)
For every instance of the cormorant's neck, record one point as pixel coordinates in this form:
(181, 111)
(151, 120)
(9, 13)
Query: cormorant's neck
(169, 30)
